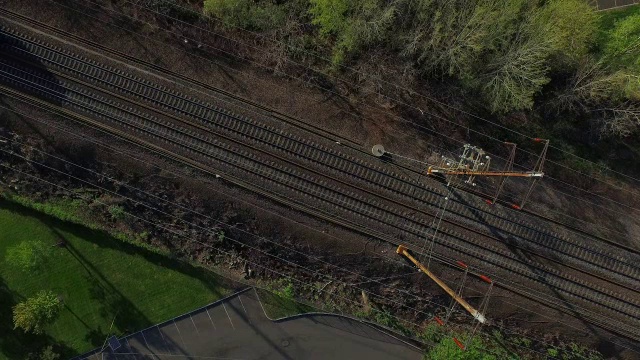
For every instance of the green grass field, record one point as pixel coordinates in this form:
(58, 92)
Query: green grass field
(100, 279)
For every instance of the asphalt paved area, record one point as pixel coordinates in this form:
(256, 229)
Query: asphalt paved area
(237, 328)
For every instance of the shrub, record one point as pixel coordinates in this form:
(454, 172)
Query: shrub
(247, 14)
(117, 212)
(287, 291)
(48, 353)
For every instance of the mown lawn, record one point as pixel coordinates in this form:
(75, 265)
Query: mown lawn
(101, 280)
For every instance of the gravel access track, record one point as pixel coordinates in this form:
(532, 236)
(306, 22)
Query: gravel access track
(304, 185)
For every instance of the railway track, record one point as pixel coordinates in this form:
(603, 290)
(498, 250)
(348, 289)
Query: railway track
(287, 179)
(523, 235)
(188, 139)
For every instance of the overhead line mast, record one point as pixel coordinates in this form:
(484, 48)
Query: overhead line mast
(474, 162)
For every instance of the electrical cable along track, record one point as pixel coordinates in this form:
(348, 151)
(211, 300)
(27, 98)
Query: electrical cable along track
(618, 268)
(307, 189)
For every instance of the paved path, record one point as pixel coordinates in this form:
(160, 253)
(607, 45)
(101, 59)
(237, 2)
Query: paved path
(237, 328)
(611, 4)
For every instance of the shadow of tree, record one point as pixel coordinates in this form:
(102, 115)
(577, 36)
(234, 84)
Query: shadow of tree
(127, 317)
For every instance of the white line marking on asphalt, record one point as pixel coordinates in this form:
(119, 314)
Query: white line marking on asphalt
(225, 310)
(179, 333)
(145, 341)
(214, 325)
(166, 345)
(194, 325)
(245, 309)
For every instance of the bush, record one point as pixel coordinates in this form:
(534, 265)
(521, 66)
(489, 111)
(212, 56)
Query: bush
(386, 319)
(117, 212)
(48, 353)
(247, 14)
(287, 291)
(448, 350)
(28, 255)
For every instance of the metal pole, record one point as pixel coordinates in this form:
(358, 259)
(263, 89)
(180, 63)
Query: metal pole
(402, 250)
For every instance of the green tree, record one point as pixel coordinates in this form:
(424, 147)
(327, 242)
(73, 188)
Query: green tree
(622, 46)
(517, 71)
(28, 255)
(514, 76)
(286, 291)
(571, 27)
(449, 37)
(503, 49)
(354, 24)
(330, 15)
(36, 312)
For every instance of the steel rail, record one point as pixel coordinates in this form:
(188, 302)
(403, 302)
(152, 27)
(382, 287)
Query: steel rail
(530, 235)
(480, 256)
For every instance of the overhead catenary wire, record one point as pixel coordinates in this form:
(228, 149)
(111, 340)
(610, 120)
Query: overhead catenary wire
(267, 269)
(549, 177)
(325, 89)
(72, 193)
(516, 305)
(359, 72)
(494, 276)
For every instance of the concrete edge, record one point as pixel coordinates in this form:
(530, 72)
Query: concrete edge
(383, 329)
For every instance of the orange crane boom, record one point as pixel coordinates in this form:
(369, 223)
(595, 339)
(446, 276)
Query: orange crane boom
(432, 170)
(402, 250)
